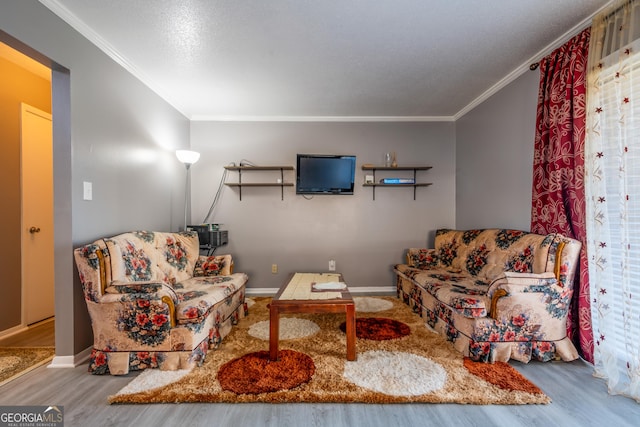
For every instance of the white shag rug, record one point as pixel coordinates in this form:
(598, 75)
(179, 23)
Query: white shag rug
(290, 328)
(371, 304)
(153, 378)
(395, 373)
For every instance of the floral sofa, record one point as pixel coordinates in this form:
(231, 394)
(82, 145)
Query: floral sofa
(496, 294)
(155, 302)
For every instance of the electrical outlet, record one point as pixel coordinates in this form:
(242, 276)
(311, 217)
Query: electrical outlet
(274, 268)
(87, 191)
(332, 265)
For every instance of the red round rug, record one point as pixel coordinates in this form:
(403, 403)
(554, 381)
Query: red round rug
(501, 374)
(378, 328)
(254, 373)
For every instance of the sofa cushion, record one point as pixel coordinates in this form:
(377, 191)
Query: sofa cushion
(180, 252)
(422, 258)
(197, 295)
(153, 256)
(488, 253)
(129, 260)
(215, 265)
(463, 293)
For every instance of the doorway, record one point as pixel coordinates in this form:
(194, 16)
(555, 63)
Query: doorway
(66, 281)
(25, 80)
(37, 252)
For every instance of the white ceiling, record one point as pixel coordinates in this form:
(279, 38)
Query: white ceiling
(333, 59)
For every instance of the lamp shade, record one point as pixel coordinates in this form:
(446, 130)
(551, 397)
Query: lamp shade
(187, 157)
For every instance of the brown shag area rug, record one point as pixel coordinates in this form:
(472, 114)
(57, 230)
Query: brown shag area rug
(312, 367)
(17, 361)
(376, 328)
(254, 373)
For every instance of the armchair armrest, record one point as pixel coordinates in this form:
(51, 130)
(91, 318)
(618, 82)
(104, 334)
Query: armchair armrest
(514, 282)
(137, 287)
(519, 287)
(422, 258)
(149, 291)
(91, 268)
(509, 283)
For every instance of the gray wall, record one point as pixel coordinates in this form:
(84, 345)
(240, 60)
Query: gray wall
(111, 130)
(364, 236)
(494, 158)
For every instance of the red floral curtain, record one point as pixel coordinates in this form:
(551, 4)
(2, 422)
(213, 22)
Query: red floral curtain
(558, 168)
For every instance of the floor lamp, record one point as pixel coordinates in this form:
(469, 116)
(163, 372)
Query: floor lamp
(188, 158)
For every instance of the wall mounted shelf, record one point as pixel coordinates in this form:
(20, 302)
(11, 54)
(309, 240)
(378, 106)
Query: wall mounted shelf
(415, 170)
(241, 169)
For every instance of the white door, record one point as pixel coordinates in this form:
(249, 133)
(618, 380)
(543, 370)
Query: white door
(37, 215)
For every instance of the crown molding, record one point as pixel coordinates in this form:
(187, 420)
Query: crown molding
(77, 24)
(202, 118)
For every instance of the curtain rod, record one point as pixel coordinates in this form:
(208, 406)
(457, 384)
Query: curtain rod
(618, 9)
(535, 65)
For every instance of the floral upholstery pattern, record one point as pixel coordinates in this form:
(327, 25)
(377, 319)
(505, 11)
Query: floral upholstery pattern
(197, 295)
(147, 308)
(218, 265)
(144, 255)
(495, 293)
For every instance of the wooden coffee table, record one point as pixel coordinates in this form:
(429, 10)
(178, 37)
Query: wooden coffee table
(296, 296)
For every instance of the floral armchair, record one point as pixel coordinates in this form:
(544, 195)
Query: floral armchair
(154, 302)
(496, 294)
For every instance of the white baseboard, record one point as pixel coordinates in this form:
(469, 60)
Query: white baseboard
(361, 290)
(373, 290)
(70, 361)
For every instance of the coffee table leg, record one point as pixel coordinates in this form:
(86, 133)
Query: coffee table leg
(351, 332)
(274, 324)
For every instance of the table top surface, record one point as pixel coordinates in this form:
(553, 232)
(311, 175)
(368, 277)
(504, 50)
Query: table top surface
(299, 288)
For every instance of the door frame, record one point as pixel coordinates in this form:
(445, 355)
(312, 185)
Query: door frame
(67, 299)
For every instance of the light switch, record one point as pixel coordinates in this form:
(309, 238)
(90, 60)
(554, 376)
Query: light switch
(87, 188)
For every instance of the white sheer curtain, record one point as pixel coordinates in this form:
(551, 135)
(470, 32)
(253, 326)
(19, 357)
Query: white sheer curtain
(612, 185)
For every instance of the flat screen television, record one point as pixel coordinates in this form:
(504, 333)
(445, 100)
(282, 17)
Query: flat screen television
(325, 174)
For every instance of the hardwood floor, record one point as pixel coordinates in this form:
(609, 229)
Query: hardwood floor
(41, 334)
(579, 399)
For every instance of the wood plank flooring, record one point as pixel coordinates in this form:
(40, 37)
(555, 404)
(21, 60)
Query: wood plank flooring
(579, 399)
(41, 334)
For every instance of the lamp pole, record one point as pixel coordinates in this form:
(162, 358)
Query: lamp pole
(188, 158)
(187, 195)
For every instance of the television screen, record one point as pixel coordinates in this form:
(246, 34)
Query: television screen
(325, 174)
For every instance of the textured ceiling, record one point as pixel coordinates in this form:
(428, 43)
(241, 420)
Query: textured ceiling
(270, 59)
